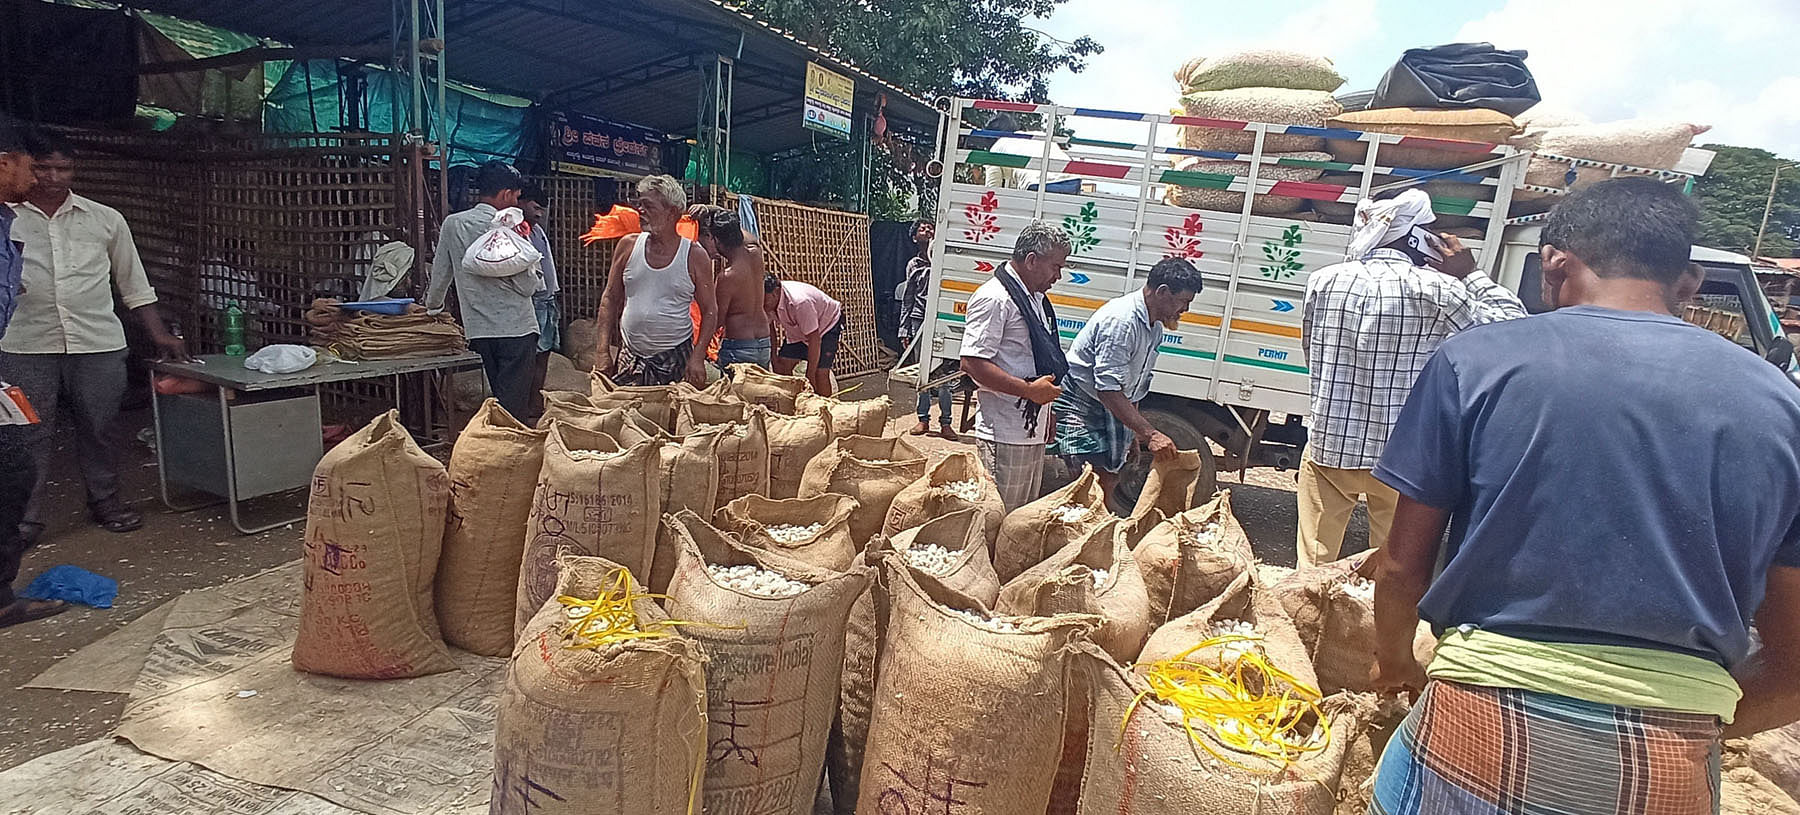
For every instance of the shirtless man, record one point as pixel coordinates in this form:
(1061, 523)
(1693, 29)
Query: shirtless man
(739, 289)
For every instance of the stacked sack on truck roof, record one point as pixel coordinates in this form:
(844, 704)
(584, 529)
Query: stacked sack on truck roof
(1254, 86)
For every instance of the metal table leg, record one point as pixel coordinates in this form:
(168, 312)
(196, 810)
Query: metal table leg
(162, 479)
(231, 479)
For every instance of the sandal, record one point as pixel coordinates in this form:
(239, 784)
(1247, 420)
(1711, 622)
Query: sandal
(24, 611)
(113, 516)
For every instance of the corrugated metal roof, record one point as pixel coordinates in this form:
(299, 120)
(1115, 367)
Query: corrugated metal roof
(632, 61)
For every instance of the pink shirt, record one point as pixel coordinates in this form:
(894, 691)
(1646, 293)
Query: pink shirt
(804, 310)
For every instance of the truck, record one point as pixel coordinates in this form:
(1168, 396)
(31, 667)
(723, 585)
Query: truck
(1234, 372)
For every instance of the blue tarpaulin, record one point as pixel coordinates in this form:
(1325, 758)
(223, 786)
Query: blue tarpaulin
(483, 126)
(73, 584)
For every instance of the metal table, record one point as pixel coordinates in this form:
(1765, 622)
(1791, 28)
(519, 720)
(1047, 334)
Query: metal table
(247, 439)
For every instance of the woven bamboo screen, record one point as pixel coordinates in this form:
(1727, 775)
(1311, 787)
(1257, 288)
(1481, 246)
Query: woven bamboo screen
(581, 269)
(828, 249)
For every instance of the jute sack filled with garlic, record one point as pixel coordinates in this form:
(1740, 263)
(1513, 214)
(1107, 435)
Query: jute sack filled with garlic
(1192, 557)
(772, 629)
(1039, 529)
(956, 482)
(812, 530)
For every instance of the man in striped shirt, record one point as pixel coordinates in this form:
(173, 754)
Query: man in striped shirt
(1370, 325)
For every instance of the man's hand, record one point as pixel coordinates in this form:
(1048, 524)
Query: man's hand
(170, 348)
(1398, 675)
(1042, 390)
(696, 369)
(1459, 260)
(1161, 446)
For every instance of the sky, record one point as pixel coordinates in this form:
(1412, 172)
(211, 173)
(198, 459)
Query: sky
(1730, 64)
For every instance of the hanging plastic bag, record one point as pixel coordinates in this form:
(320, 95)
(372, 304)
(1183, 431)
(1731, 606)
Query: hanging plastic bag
(502, 251)
(281, 359)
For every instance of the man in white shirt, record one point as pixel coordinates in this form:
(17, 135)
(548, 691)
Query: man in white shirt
(498, 316)
(65, 341)
(1369, 326)
(1010, 349)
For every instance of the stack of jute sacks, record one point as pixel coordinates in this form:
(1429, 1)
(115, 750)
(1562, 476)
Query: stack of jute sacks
(685, 635)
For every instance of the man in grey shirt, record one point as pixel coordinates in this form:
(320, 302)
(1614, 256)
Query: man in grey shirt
(497, 313)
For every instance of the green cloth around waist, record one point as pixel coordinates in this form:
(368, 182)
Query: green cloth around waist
(1605, 674)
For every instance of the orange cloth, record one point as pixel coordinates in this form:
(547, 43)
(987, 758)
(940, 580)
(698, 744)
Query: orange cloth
(623, 220)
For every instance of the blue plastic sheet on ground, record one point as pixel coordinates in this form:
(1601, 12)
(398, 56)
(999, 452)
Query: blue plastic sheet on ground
(73, 584)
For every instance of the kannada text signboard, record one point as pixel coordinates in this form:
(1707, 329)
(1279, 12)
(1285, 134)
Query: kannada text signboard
(829, 99)
(588, 145)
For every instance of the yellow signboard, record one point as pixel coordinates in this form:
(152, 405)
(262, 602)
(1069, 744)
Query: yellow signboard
(830, 96)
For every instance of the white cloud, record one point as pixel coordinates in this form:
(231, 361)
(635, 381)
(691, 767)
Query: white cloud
(1721, 63)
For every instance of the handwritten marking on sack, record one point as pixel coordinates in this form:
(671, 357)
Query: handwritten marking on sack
(343, 500)
(727, 746)
(903, 796)
(459, 489)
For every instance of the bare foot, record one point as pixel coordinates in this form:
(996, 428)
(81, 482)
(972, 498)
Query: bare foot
(24, 611)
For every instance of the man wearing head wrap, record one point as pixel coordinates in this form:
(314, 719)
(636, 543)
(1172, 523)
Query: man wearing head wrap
(1371, 323)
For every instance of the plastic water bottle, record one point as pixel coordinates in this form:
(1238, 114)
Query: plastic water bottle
(234, 331)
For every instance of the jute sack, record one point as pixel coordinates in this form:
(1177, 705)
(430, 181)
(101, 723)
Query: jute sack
(1273, 105)
(1258, 68)
(493, 469)
(1153, 767)
(1356, 787)
(1035, 531)
(743, 455)
(1244, 601)
(772, 668)
(1648, 143)
(864, 417)
(570, 407)
(780, 526)
(589, 723)
(690, 479)
(756, 385)
(793, 442)
(1332, 606)
(963, 709)
(658, 400)
(1227, 201)
(1479, 125)
(699, 410)
(1192, 557)
(964, 568)
(1177, 484)
(374, 527)
(594, 499)
(955, 482)
(871, 470)
(1096, 576)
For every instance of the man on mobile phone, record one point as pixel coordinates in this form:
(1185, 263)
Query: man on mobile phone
(1370, 325)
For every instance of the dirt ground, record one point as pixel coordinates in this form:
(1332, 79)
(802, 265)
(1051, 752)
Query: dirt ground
(176, 552)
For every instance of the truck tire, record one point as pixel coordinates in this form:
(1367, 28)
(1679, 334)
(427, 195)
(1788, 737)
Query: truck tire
(1186, 436)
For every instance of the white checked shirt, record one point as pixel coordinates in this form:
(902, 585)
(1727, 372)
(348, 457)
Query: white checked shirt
(1370, 326)
(73, 262)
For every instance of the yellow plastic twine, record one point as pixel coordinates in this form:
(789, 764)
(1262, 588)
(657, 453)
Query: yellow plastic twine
(610, 618)
(1237, 700)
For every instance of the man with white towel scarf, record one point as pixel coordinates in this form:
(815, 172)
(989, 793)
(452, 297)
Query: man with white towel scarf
(1370, 325)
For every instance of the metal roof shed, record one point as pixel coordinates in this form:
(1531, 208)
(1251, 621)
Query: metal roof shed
(648, 62)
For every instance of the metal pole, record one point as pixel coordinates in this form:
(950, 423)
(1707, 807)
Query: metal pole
(1767, 205)
(441, 30)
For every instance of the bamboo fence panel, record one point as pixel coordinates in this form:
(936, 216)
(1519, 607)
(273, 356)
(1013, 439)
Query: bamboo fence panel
(828, 249)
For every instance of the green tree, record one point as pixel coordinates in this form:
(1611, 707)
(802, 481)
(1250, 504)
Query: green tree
(977, 48)
(1732, 195)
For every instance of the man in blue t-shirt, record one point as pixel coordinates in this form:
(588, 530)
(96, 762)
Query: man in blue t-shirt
(1622, 495)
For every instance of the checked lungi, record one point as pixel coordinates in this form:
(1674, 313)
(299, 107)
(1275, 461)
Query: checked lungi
(1466, 748)
(661, 368)
(1088, 433)
(1017, 469)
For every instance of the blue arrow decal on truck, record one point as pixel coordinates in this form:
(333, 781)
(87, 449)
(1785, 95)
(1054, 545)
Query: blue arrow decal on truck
(1078, 278)
(1282, 306)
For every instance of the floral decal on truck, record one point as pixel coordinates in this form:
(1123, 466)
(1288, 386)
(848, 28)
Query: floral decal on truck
(1184, 241)
(1080, 228)
(1283, 255)
(982, 224)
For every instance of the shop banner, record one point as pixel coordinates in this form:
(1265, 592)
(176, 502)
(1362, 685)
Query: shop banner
(829, 99)
(588, 145)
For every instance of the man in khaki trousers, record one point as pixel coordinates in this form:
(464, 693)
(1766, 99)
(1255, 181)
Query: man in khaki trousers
(1370, 325)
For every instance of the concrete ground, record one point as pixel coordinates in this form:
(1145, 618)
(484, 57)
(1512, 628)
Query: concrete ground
(176, 552)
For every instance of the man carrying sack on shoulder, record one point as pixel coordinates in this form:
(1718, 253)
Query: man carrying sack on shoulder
(1010, 349)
